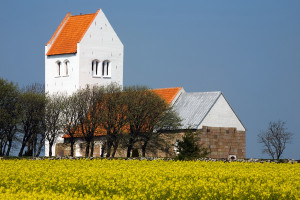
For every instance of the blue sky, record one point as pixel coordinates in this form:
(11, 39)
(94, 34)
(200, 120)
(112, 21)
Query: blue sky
(249, 50)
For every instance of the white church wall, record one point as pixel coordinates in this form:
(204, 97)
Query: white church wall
(221, 115)
(59, 139)
(102, 43)
(99, 42)
(62, 84)
(47, 148)
(77, 149)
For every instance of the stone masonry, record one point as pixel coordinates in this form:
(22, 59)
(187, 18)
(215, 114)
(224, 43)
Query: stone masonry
(221, 143)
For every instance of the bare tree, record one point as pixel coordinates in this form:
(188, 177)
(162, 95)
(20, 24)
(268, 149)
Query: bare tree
(32, 105)
(71, 118)
(137, 113)
(275, 139)
(9, 115)
(162, 119)
(146, 116)
(113, 114)
(90, 119)
(53, 118)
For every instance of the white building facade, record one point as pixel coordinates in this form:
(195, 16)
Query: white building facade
(97, 59)
(84, 50)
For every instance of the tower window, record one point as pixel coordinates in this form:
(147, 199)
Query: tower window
(95, 68)
(106, 69)
(58, 68)
(66, 68)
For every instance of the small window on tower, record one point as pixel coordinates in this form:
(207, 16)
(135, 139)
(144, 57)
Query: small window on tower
(95, 68)
(58, 68)
(106, 69)
(66, 68)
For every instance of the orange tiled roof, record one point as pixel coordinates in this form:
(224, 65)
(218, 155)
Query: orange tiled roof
(168, 93)
(69, 33)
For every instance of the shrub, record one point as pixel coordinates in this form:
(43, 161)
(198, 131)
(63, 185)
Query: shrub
(189, 148)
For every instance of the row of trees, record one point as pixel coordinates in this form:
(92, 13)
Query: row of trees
(21, 118)
(125, 117)
(29, 117)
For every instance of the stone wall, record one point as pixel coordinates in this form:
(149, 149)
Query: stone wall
(220, 141)
(223, 142)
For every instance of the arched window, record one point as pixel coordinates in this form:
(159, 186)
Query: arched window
(106, 69)
(95, 68)
(58, 68)
(66, 68)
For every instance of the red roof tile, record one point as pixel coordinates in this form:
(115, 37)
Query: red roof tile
(69, 33)
(168, 94)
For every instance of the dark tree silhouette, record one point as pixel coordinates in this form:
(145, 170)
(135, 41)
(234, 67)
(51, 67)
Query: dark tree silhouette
(275, 139)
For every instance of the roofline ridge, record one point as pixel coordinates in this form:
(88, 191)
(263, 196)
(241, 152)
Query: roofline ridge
(56, 33)
(95, 15)
(209, 109)
(84, 14)
(178, 95)
(220, 92)
(234, 112)
(165, 88)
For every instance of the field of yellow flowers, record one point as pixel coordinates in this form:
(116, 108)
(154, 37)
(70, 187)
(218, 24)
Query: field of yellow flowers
(121, 179)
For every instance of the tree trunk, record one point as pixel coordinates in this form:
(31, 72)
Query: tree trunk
(87, 149)
(50, 148)
(129, 147)
(144, 148)
(1, 148)
(22, 149)
(8, 147)
(92, 148)
(109, 144)
(278, 156)
(24, 142)
(40, 146)
(4, 147)
(103, 150)
(115, 149)
(34, 147)
(72, 147)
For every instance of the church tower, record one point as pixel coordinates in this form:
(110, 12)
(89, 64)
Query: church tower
(83, 50)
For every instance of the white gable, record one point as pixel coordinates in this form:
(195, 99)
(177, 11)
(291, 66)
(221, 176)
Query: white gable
(102, 43)
(222, 115)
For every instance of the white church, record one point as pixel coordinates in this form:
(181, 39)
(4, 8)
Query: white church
(86, 50)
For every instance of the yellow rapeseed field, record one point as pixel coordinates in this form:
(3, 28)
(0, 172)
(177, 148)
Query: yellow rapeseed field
(121, 179)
